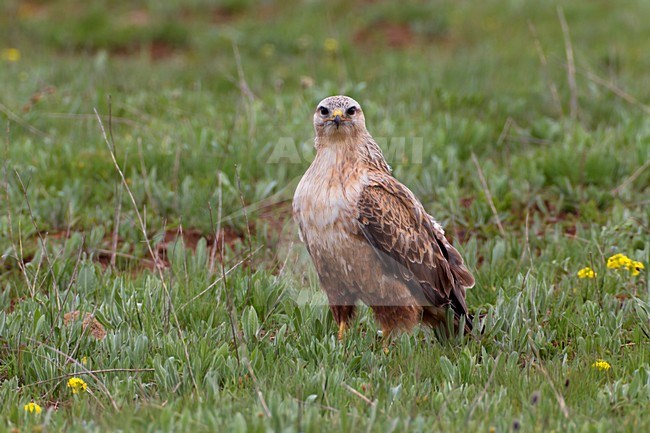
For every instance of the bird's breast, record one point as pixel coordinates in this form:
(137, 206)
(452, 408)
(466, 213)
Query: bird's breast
(325, 206)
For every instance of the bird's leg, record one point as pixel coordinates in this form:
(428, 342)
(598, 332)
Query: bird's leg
(389, 318)
(342, 315)
(343, 326)
(385, 337)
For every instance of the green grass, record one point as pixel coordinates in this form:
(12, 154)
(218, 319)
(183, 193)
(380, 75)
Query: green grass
(458, 78)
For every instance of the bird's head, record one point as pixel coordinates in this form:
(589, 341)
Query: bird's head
(339, 115)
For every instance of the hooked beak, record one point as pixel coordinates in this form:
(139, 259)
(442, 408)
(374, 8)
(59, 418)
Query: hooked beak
(337, 117)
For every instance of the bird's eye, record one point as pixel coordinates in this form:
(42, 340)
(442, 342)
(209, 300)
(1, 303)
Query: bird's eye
(323, 111)
(351, 111)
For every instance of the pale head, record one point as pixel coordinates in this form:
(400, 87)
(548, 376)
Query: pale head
(338, 116)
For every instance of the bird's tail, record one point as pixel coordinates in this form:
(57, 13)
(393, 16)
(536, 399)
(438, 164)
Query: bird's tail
(448, 320)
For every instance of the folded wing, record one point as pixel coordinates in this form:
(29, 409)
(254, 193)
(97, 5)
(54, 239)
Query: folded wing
(412, 246)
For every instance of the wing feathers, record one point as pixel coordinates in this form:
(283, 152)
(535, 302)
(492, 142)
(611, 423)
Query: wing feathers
(411, 246)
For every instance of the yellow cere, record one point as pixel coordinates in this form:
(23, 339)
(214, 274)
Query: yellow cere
(586, 272)
(601, 365)
(32, 407)
(77, 385)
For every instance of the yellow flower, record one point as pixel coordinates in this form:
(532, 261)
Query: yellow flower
(636, 268)
(601, 365)
(77, 385)
(10, 54)
(586, 272)
(331, 45)
(84, 360)
(32, 407)
(618, 261)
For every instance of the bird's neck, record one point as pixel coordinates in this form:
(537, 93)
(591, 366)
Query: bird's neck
(351, 151)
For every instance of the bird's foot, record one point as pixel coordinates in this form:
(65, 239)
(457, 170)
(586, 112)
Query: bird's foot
(385, 339)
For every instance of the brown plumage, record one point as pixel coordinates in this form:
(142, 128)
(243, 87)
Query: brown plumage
(369, 237)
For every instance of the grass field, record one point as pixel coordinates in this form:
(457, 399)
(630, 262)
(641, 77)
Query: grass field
(180, 294)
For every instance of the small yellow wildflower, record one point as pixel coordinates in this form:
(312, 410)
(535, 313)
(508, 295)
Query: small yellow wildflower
(10, 54)
(586, 272)
(601, 365)
(84, 360)
(636, 268)
(32, 407)
(77, 385)
(331, 45)
(618, 261)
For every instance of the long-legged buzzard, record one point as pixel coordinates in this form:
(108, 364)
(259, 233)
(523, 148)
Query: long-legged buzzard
(369, 237)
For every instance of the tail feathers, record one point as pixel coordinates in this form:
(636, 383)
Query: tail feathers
(459, 308)
(467, 319)
(448, 319)
(462, 275)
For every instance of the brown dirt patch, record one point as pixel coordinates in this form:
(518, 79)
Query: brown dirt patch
(190, 238)
(157, 50)
(275, 216)
(223, 15)
(103, 254)
(388, 34)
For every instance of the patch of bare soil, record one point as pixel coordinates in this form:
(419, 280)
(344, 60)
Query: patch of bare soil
(157, 50)
(275, 216)
(388, 34)
(190, 238)
(223, 15)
